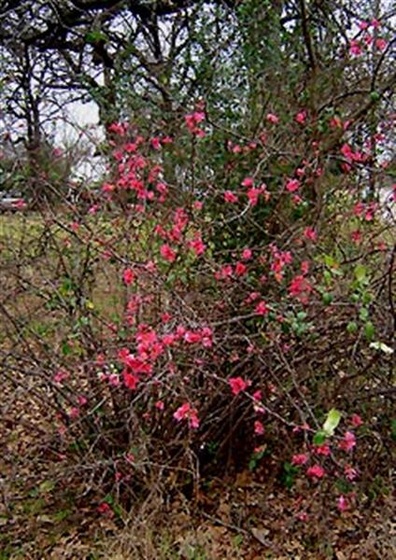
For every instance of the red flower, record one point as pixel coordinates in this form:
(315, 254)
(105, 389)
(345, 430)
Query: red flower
(229, 196)
(238, 384)
(258, 428)
(300, 288)
(300, 459)
(273, 119)
(301, 117)
(310, 234)
(128, 276)
(197, 245)
(349, 441)
(240, 269)
(342, 503)
(261, 308)
(105, 509)
(186, 412)
(323, 449)
(247, 254)
(248, 182)
(131, 381)
(293, 185)
(356, 420)
(316, 471)
(168, 253)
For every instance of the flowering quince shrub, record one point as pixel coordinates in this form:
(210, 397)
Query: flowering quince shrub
(244, 318)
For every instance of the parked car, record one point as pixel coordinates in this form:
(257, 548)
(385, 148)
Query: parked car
(12, 203)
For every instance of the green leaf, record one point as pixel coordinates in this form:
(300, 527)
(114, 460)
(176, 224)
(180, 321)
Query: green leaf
(332, 421)
(329, 261)
(46, 486)
(369, 330)
(363, 314)
(360, 273)
(327, 298)
(66, 349)
(96, 37)
(352, 327)
(319, 438)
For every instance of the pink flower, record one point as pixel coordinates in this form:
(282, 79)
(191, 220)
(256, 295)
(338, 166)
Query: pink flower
(356, 420)
(74, 412)
(310, 234)
(225, 272)
(105, 509)
(186, 412)
(323, 449)
(253, 196)
(155, 143)
(342, 503)
(248, 182)
(240, 269)
(192, 120)
(350, 472)
(272, 118)
(128, 276)
(230, 197)
(246, 254)
(304, 267)
(130, 380)
(316, 471)
(348, 442)
(253, 296)
(238, 384)
(292, 185)
(355, 48)
(130, 458)
(114, 380)
(302, 516)
(168, 253)
(137, 365)
(300, 459)
(381, 44)
(261, 308)
(118, 128)
(300, 288)
(197, 245)
(166, 317)
(192, 337)
(207, 337)
(356, 236)
(363, 25)
(182, 412)
(169, 339)
(301, 117)
(258, 428)
(150, 266)
(60, 376)
(162, 188)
